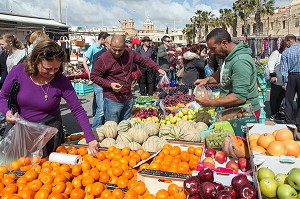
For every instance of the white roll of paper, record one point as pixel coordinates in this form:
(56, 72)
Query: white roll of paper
(65, 158)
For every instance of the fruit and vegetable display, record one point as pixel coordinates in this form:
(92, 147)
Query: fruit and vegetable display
(204, 186)
(216, 138)
(178, 97)
(234, 113)
(173, 90)
(143, 99)
(74, 137)
(278, 143)
(281, 186)
(220, 159)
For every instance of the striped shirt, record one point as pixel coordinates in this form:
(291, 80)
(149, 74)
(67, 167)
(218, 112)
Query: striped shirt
(290, 61)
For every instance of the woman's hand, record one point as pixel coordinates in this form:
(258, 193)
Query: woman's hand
(93, 147)
(10, 118)
(201, 82)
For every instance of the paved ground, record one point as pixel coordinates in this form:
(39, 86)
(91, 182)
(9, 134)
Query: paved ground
(72, 126)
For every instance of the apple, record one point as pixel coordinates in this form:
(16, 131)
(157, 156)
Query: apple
(210, 152)
(244, 164)
(268, 187)
(280, 178)
(231, 191)
(298, 196)
(223, 194)
(247, 191)
(191, 185)
(239, 180)
(265, 173)
(291, 197)
(285, 190)
(221, 157)
(294, 178)
(210, 160)
(196, 196)
(232, 165)
(219, 186)
(208, 165)
(206, 175)
(207, 190)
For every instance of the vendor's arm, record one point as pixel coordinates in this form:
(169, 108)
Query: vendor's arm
(227, 101)
(147, 62)
(98, 74)
(213, 79)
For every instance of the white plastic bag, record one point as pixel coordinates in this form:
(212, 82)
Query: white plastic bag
(199, 91)
(25, 139)
(164, 83)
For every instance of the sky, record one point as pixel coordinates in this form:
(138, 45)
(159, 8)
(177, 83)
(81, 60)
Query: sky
(99, 13)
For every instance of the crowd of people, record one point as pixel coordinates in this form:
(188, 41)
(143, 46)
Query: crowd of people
(114, 65)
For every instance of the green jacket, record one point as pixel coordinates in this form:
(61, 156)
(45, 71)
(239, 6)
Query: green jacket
(238, 75)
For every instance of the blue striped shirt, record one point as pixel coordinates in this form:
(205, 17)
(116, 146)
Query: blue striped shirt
(290, 61)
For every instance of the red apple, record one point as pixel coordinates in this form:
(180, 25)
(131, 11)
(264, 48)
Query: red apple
(219, 186)
(223, 194)
(210, 160)
(247, 191)
(207, 190)
(206, 175)
(239, 180)
(210, 152)
(231, 191)
(244, 164)
(221, 157)
(232, 165)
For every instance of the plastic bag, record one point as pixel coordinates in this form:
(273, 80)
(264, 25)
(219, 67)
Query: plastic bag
(164, 83)
(25, 139)
(199, 91)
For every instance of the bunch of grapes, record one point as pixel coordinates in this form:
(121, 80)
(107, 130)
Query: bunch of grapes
(178, 97)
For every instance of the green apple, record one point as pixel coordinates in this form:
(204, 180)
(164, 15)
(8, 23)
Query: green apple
(280, 178)
(185, 117)
(185, 111)
(298, 196)
(168, 122)
(173, 120)
(163, 121)
(265, 173)
(294, 178)
(291, 197)
(268, 187)
(180, 114)
(285, 191)
(190, 117)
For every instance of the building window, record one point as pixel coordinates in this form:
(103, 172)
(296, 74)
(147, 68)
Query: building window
(254, 28)
(272, 25)
(297, 22)
(283, 25)
(180, 37)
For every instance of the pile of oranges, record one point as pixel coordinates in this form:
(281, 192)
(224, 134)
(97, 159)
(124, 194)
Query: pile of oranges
(51, 180)
(173, 159)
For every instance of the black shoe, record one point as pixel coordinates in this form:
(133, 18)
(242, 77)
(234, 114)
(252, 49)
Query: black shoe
(272, 117)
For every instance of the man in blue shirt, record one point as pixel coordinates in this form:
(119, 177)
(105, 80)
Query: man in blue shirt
(98, 99)
(290, 69)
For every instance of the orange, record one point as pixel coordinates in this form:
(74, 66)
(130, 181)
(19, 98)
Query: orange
(144, 166)
(145, 155)
(154, 166)
(111, 148)
(117, 171)
(179, 193)
(87, 180)
(100, 155)
(175, 150)
(125, 151)
(55, 195)
(265, 139)
(97, 188)
(76, 170)
(118, 193)
(130, 194)
(184, 156)
(35, 185)
(198, 151)
(77, 194)
(14, 165)
(23, 161)
(42, 194)
(162, 194)
(191, 150)
(59, 187)
(7, 180)
(139, 188)
(10, 188)
(26, 194)
(172, 189)
(77, 183)
(64, 168)
(122, 182)
(104, 177)
(106, 193)
(128, 174)
(73, 151)
(3, 169)
(69, 188)
(82, 151)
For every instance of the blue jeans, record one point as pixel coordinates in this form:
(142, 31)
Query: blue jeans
(171, 75)
(98, 118)
(117, 111)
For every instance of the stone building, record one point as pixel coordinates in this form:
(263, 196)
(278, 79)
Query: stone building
(284, 21)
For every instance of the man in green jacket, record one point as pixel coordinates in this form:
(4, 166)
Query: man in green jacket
(237, 75)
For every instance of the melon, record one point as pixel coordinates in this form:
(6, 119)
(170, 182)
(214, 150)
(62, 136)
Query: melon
(200, 126)
(140, 135)
(192, 135)
(99, 133)
(177, 133)
(152, 144)
(107, 142)
(134, 146)
(165, 130)
(124, 137)
(124, 126)
(110, 129)
(151, 128)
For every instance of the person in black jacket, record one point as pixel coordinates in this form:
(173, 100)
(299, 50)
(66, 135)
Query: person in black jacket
(3, 68)
(146, 81)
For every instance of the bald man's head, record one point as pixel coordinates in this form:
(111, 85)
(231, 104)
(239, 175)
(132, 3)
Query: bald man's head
(107, 42)
(117, 46)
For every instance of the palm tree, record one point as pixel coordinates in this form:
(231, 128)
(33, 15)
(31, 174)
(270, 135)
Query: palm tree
(194, 26)
(243, 9)
(206, 17)
(262, 8)
(226, 18)
(198, 23)
(188, 31)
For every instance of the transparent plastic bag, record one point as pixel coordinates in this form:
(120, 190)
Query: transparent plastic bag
(25, 139)
(199, 91)
(164, 83)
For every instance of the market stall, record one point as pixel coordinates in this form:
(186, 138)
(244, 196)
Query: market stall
(170, 148)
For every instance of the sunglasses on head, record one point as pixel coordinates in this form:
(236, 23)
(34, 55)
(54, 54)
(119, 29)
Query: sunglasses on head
(168, 41)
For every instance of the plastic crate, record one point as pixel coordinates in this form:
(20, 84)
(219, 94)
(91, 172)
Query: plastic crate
(82, 88)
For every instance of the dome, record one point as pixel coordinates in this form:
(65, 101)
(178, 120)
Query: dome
(148, 21)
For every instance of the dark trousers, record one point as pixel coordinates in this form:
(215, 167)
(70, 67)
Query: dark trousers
(146, 81)
(293, 87)
(276, 96)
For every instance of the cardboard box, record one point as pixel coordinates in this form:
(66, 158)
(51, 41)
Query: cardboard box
(156, 180)
(235, 119)
(184, 145)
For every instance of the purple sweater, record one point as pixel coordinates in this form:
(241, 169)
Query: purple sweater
(33, 106)
(108, 69)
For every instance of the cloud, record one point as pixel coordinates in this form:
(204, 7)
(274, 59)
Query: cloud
(95, 13)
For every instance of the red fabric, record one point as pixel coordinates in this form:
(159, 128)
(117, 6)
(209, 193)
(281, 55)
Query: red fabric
(257, 114)
(135, 41)
(135, 75)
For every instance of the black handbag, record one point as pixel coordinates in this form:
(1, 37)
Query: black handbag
(12, 98)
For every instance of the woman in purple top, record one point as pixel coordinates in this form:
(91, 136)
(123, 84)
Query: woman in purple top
(42, 85)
